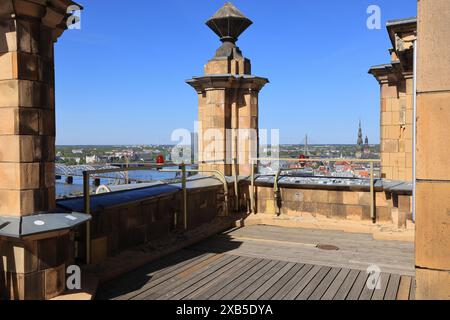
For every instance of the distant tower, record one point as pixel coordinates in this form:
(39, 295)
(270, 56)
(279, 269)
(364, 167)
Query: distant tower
(359, 147)
(366, 146)
(306, 146)
(360, 136)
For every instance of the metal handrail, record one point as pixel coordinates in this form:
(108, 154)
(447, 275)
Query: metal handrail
(87, 193)
(234, 174)
(183, 170)
(218, 174)
(276, 189)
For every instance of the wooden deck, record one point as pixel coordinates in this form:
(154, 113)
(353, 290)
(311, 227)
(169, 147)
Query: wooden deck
(269, 263)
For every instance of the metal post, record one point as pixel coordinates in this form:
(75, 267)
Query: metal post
(127, 177)
(414, 155)
(277, 192)
(372, 194)
(87, 210)
(236, 187)
(183, 185)
(252, 189)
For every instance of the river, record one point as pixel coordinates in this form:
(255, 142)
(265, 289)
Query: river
(69, 190)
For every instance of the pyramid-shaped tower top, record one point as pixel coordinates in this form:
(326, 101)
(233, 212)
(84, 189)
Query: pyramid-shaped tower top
(229, 23)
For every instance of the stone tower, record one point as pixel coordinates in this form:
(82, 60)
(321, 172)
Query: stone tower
(359, 147)
(396, 101)
(360, 136)
(228, 100)
(366, 146)
(35, 242)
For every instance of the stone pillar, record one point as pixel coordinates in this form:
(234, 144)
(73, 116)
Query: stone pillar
(31, 268)
(396, 129)
(433, 153)
(228, 100)
(396, 107)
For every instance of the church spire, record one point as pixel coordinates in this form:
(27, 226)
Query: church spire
(360, 136)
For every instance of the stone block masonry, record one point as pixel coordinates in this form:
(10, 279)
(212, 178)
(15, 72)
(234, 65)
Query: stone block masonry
(433, 173)
(35, 267)
(396, 105)
(334, 204)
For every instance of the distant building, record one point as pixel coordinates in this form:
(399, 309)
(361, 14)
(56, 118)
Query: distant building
(359, 147)
(366, 146)
(91, 159)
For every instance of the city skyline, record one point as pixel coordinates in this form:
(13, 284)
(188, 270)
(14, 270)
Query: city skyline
(297, 100)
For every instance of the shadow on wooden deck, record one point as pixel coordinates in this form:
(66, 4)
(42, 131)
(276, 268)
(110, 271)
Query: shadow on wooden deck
(266, 263)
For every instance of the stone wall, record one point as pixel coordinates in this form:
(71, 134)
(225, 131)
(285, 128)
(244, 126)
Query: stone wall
(32, 268)
(27, 109)
(397, 130)
(334, 204)
(396, 107)
(35, 269)
(129, 224)
(433, 154)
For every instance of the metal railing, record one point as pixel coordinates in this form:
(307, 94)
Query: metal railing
(276, 189)
(234, 174)
(218, 175)
(160, 167)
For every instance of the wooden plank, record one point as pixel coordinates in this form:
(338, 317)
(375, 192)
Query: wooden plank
(185, 279)
(358, 286)
(335, 285)
(177, 277)
(315, 236)
(392, 288)
(165, 274)
(282, 282)
(298, 288)
(234, 280)
(134, 279)
(412, 293)
(404, 288)
(367, 292)
(208, 276)
(313, 284)
(232, 270)
(346, 241)
(280, 295)
(231, 292)
(379, 293)
(283, 245)
(347, 285)
(270, 282)
(395, 257)
(309, 255)
(259, 282)
(324, 285)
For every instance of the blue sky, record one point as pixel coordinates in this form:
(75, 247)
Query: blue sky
(120, 79)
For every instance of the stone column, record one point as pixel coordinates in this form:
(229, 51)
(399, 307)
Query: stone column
(396, 108)
(31, 268)
(433, 153)
(228, 100)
